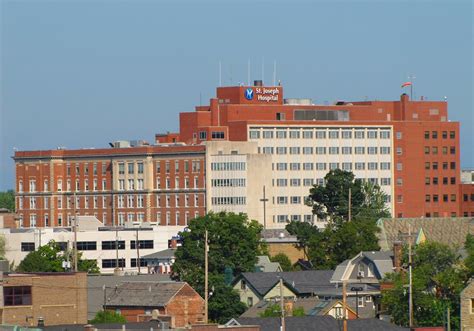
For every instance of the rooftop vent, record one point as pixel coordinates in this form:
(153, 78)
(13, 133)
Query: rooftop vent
(258, 82)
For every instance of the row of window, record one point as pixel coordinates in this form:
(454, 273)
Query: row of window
(435, 198)
(214, 135)
(360, 150)
(92, 245)
(137, 201)
(319, 134)
(444, 134)
(228, 182)
(434, 150)
(228, 166)
(435, 180)
(195, 166)
(466, 197)
(283, 182)
(177, 183)
(96, 202)
(444, 165)
(219, 201)
(112, 263)
(60, 185)
(283, 166)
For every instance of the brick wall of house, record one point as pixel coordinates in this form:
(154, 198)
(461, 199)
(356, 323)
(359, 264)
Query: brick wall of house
(59, 298)
(187, 307)
(289, 249)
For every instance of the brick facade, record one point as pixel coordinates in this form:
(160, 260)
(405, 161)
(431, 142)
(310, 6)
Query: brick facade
(467, 308)
(59, 298)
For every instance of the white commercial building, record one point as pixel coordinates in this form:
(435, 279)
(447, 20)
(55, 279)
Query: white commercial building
(107, 245)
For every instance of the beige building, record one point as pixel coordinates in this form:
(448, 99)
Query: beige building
(467, 308)
(55, 298)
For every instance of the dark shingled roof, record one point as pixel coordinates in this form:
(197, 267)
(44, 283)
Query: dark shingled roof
(304, 282)
(144, 294)
(165, 254)
(327, 323)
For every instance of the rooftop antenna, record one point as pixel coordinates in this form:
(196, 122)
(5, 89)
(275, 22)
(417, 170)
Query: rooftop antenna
(411, 79)
(263, 69)
(274, 72)
(220, 73)
(230, 75)
(248, 73)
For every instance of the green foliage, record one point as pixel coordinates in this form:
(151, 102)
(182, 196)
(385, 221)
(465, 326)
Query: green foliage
(298, 311)
(7, 200)
(107, 316)
(340, 240)
(438, 279)
(2, 247)
(234, 242)
(284, 261)
(49, 258)
(332, 199)
(469, 261)
(274, 310)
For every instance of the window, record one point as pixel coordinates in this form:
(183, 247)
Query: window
(346, 166)
(243, 285)
(282, 182)
(121, 168)
(294, 134)
(452, 134)
(112, 263)
(434, 165)
(372, 134)
(307, 150)
(133, 264)
(86, 245)
(453, 165)
(282, 200)
(320, 150)
(445, 180)
(294, 166)
(372, 150)
(434, 134)
(249, 302)
(142, 244)
(346, 150)
(86, 169)
(359, 166)
(281, 150)
(308, 182)
(140, 168)
(360, 150)
(217, 135)
(295, 182)
(453, 197)
(399, 151)
(20, 186)
(308, 166)
(17, 295)
(434, 150)
(268, 134)
(307, 134)
(435, 198)
(399, 135)
(384, 150)
(427, 180)
(384, 134)
(445, 198)
(427, 150)
(427, 198)
(32, 185)
(435, 180)
(333, 166)
(295, 200)
(111, 244)
(372, 165)
(294, 150)
(140, 184)
(346, 134)
(131, 168)
(427, 135)
(445, 165)
(202, 135)
(359, 134)
(320, 134)
(333, 150)
(27, 246)
(385, 181)
(453, 180)
(452, 150)
(254, 134)
(333, 134)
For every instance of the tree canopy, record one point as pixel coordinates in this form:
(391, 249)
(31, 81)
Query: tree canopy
(49, 258)
(107, 316)
(7, 200)
(283, 260)
(234, 243)
(438, 279)
(341, 239)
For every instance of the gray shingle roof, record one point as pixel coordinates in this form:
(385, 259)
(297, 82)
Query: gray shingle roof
(304, 282)
(449, 231)
(327, 323)
(266, 265)
(144, 294)
(165, 254)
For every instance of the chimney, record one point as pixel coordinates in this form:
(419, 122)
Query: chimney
(397, 255)
(173, 243)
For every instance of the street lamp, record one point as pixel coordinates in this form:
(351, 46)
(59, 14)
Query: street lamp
(357, 290)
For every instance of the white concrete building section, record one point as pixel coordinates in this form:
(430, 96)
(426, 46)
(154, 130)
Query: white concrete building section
(95, 242)
(302, 155)
(236, 176)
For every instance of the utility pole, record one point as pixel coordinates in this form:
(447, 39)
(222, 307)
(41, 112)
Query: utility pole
(116, 249)
(75, 234)
(282, 306)
(344, 304)
(264, 200)
(448, 327)
(410, 281)
(350, 206)
(206, 285)
(138, 252)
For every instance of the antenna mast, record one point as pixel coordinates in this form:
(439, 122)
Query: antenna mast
(274, 72)
(248, 73)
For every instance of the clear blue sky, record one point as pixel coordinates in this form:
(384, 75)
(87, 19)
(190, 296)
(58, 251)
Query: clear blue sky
(84, 73)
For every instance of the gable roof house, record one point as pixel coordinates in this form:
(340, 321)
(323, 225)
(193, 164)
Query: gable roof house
(265, 265)
(137, 301)
(256, 286)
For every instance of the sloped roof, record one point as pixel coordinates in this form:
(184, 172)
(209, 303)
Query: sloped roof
(382, 261)
(264, 262)
(451, 231)
(144, 294)
(306, 303)
(327, 323)
(165, 254)
(304, 282)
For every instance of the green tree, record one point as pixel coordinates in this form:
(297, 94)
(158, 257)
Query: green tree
(438, 279)
(102, 317)
(7, 200)
(234, 242)
(49, 258)
(298, 311)
(469, 261)
(274, 310)
(284, 261)
(2, 247)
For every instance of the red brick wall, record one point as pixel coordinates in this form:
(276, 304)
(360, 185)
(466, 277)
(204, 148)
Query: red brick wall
(187, 307)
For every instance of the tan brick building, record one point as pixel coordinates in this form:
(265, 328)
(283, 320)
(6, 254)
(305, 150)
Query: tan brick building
(467, 308)
(57, 298)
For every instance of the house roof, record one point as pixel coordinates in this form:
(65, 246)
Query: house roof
(165, 254)
(144, 294)
(310, 323)
(382, 260)
(96, 283)
(264, 263)
(451, 231)
(306, 303)
(303, 282)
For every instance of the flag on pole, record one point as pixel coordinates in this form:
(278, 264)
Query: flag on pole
(406, 84)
